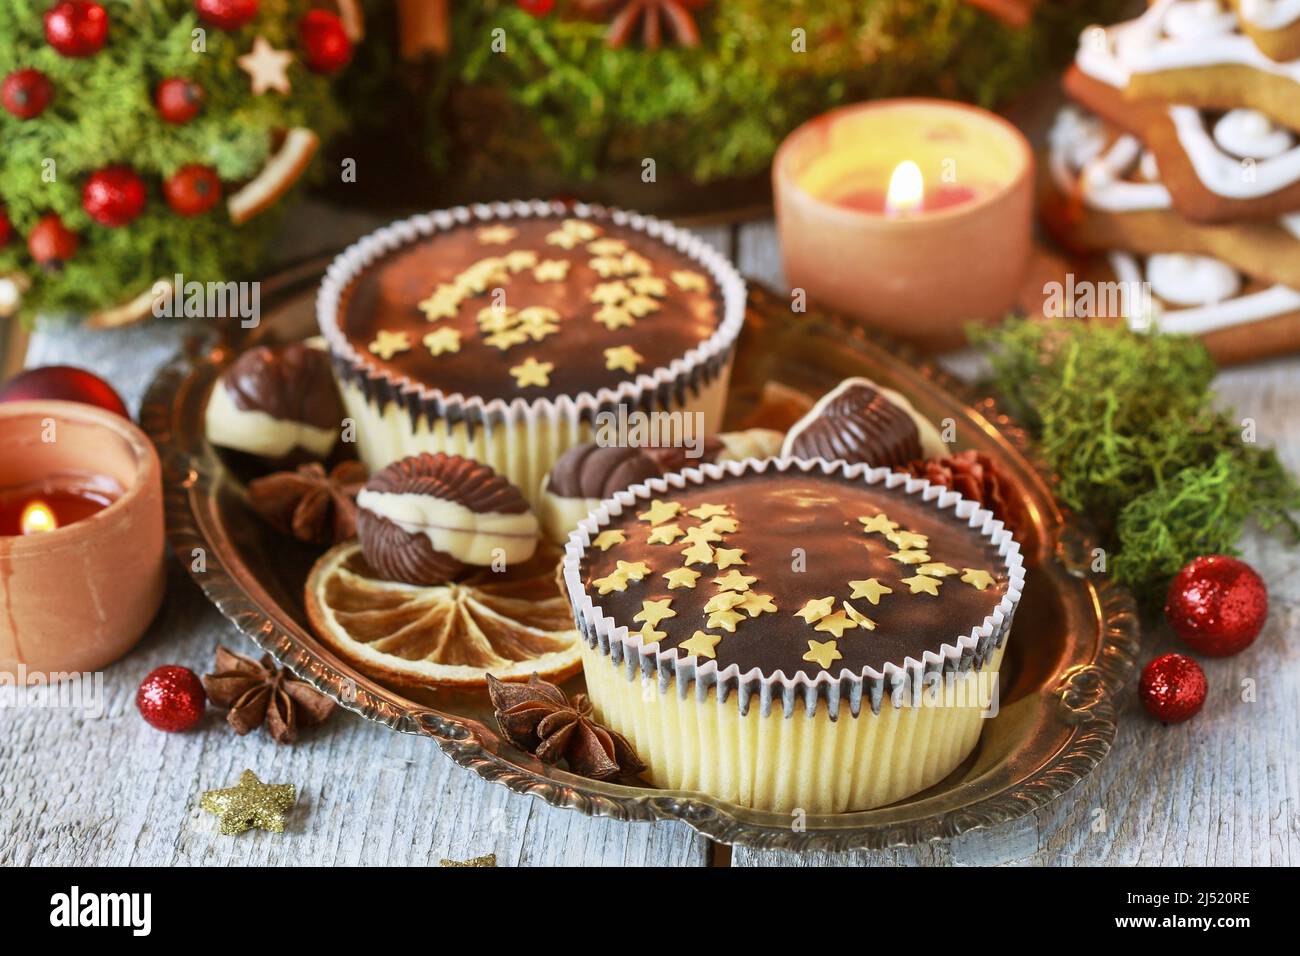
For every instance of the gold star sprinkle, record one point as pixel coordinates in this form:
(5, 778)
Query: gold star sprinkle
(607, 247)
(910, 557)
(540, 331)
(641, 305)
(698, 553)
(921, 584)
(660, 511)
(551, 270)
(610, 582)
(857, 617)
(652, 612)
(610, 293)
(906, 540)
(497, 320)
(724, 601)
(387, 344)
(506, 340)
(612, 317)
(836, 624)
(976, 578)
(822, 653)
(607, 539)
(707, 510)
(538, 315)
(871, 589)
(622, 358)
(497, 235)
(701, 644)
(580, 228)
(664, 534)
(636, 264)
(443, 304)
(815, 609)
(937, 569)
(532, 372)
(635, 570)
(649, 635)
(441, 341)
(520, 259)
(755, 604)
(648, 285)
(250, 804)
(267, 67)
(878, 524)
(689, 281)
(606, 266)
(727, 620)
(734, 581)
(720, 525)
(562, 239)
(681, 578)
(701, 533)
(726, 557)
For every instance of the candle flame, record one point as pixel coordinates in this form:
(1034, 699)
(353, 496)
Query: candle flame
(906, 189)
(37, 518)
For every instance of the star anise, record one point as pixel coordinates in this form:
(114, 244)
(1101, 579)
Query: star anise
(539, 719)
(654, 16)
(309, 504)
(259, 692)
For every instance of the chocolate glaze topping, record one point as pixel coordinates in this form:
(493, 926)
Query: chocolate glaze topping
(858, 425)
(594, 471)
(777, 515)
(291, 383)
(386, 297)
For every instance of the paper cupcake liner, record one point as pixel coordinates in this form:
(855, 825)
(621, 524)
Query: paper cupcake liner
(519, 438)
(971, 650)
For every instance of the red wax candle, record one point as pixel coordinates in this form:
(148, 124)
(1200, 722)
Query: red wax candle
(869, 199)
(54, 502)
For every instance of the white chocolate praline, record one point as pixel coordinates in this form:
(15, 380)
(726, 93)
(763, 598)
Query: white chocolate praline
(932, 445)
(471, 537)
(750, 443)
(559, 516)
(258, 433)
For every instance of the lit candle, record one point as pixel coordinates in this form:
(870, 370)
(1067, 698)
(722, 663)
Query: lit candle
(54, 502)
(911, 215)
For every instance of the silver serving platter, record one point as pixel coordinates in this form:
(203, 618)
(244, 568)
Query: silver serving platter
(1071, 651)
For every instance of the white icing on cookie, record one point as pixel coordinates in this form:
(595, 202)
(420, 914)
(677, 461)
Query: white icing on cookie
(1228, 175)
(1195, 19)
(1270, 14)
(1192, 280)
(1081, 165)
(1148, 167)
(1249, 133)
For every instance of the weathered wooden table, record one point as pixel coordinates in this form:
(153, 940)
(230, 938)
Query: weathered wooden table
(1223, 789)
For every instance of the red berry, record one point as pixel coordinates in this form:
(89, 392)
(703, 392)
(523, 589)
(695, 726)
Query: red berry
(538, 8)
(63, 383)
(178, 100)
(26, 93)
(6, 227)
(1217, 604)
(325, 43)
(192, 190)
(171, 698)
(113, 196)
(1172, 688)
(76, 27)
(51, 243)
(226, 14)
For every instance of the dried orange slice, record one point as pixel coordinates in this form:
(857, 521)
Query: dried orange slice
(510, 624)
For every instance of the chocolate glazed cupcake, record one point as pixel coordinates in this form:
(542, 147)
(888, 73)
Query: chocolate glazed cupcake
(499, 332)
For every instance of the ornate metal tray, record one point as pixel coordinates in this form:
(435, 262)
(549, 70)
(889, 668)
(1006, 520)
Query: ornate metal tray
(1072, 649)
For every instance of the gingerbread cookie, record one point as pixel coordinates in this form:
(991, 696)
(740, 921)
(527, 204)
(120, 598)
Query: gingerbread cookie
(1273, 25)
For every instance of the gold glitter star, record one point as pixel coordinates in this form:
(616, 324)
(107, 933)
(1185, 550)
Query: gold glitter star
(520, 259)
(580, 228)
(871, 589)
(496, 235)
(707, 510)
(719, 524)
(815, 609)
(610, 582)
(907, 540)
(878, 524)
(652, 612)
(734, 581)
(551, 270)
(559, 237)
(701, 644)
(508, 339)
(689, 281)
(697, 534)
(755, 604)
(857, 617)
(822, 653)
(489, 859)
(836, 624)
(910, 557)
(726, 557)
(267, 67)
(724, 601)
(443, 340)
(664, 534)
(660, 511)
(607, 539)
(607, 247)
(532, 372)
(635, 570)
(648, 285)
(610, 293)
(250, 804)
(641, 305)
(936, 569)
(921, 584)
(612, 317)
(387, 344)
(976, 578)
(698, 553)
(623, 358)
(442, 304)
(727, 620)
(681, 578)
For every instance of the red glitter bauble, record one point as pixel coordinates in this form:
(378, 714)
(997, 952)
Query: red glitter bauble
(51, 243)
(178, 100)
(192, 190)
(113, 196)
(26, 93)
(1172, 688)
(171, 698)
(76, 27)
(1217, 604)
(63, 383)
(6, 227)
(538, 8)
(226, 14)
(325, 44)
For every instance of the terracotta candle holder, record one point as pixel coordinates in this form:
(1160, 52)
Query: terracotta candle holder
(945, 246)
(78, 597)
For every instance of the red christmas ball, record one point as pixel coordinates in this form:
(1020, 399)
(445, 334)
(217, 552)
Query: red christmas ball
(26, 93)
(65, 384)
(178, 100)
(192, 190)
(538, 8)
(76, 27)
(226, 14)
(171, 698)
(51, 243)
(325, 43)
(1217, 604)
(113, 196)
(6, 228)
(1172, 688)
